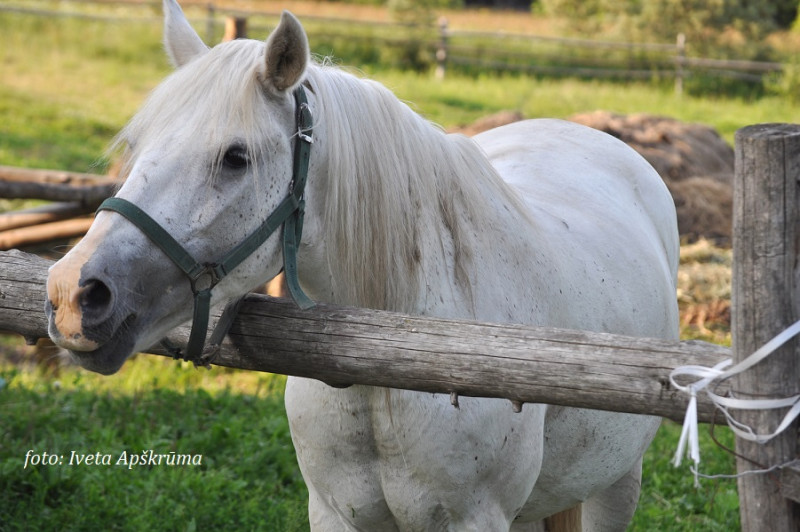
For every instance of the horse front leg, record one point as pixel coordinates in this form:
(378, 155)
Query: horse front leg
(612, 509)
(326, 517)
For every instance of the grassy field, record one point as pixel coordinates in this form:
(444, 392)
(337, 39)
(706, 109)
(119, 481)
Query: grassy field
(65, 87)
(243, 474)
(68, 85)
(248, 479)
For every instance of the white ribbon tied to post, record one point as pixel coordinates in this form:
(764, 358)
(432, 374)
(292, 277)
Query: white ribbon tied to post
(706, 376)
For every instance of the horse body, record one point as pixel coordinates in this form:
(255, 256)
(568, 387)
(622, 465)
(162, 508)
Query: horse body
(493, 465)
(541, 222)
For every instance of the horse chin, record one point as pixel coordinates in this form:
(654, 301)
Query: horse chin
(109, 357)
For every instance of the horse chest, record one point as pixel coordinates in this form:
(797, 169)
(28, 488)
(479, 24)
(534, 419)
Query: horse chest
(388, 456)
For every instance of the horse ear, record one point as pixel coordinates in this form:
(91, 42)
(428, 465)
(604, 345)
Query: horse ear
(287, 54)
(180, 40)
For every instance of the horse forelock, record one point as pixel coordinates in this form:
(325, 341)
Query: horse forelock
(396, 183)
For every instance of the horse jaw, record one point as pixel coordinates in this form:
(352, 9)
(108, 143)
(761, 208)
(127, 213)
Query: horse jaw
(180, 40)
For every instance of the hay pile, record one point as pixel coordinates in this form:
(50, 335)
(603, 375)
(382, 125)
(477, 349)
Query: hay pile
(704, 291)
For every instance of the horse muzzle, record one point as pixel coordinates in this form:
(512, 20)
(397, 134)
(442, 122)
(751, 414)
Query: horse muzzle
(86, 314)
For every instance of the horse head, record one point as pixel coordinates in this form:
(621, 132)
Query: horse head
(208, 158)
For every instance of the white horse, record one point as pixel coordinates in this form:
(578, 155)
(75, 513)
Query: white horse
(541, 222)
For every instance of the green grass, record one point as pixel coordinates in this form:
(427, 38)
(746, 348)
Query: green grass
(248, 479)
(669, 500)
(66, 86)
(36, 130)
(459, 100)
(69, 85)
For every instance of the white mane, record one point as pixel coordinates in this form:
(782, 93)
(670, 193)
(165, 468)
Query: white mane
(391, 173)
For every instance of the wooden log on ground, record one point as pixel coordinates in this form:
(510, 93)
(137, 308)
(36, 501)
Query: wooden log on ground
(765, 301)
(55, 185)
(92, 195)
(38, 234)
(51, 212)
(359, 346)
(54, 177)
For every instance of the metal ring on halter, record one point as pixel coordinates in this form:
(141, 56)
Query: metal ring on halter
(213, 278)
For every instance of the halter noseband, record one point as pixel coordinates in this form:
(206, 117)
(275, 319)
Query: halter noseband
(203, 277)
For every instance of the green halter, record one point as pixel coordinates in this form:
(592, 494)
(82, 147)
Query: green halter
(204, 277)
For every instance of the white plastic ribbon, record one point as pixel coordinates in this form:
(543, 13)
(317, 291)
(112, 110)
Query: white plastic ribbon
(706, 376)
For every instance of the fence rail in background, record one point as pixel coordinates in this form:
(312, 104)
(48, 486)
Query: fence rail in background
(643, 61)
(467, 49)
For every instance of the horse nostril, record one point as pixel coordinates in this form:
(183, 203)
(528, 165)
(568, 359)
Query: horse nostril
(95, 295)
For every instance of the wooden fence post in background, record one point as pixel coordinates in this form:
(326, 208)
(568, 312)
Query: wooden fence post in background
(680, 60)
(766, 280)
(235, 28)
(441, 50)
(210, 23)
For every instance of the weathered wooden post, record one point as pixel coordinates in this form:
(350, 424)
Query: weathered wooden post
(441, 50)
(235, 28)
(766, 281)
(680, 60)
(210, 10)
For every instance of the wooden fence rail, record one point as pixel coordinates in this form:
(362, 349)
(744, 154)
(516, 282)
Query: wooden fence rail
(642, 60)
(344, 346)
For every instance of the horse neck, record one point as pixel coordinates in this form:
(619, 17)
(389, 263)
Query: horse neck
(403, 203)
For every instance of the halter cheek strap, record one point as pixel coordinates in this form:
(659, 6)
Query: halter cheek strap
(203, 277)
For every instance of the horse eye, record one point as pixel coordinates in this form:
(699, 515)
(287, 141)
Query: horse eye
(235, 158)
